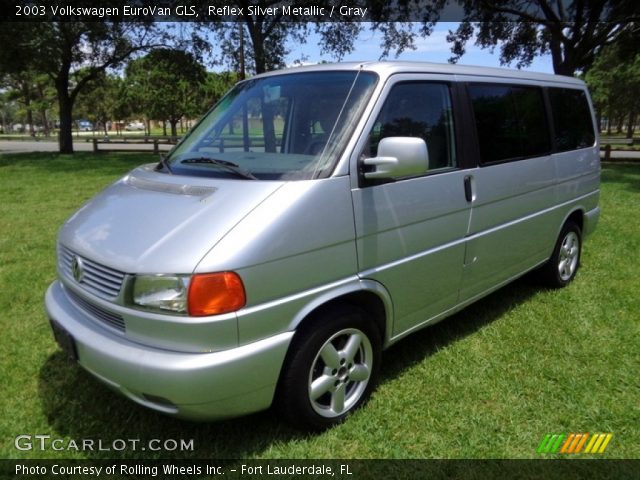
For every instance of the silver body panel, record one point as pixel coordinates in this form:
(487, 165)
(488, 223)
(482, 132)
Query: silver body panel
(416, 244)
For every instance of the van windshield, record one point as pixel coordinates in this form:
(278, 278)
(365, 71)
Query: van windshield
(284, 127)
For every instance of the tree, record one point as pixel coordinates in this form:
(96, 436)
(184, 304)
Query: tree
(215, 86)
(573, 31)
(100, 102)
(33, 95)
(259, 43)
(167, 84)
(612, 80)
(7, 111)
(73, 54)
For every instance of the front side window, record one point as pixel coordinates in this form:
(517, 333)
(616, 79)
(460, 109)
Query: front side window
(422, 110)
(510, 121)
(289, 127)
(571, 119)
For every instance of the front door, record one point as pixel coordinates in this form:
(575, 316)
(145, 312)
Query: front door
(410, 233)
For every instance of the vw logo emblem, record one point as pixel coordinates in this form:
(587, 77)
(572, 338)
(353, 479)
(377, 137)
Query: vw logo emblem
(77, 269)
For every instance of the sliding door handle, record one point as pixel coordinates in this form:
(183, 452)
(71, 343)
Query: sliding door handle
(468, 188)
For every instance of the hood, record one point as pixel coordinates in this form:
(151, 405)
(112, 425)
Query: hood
(151, 222)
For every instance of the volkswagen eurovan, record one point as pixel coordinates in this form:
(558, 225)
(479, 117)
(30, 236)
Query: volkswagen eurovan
(314, 217)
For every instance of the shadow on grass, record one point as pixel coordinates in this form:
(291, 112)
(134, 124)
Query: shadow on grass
(424, 343)
(624, 174)
(78, 406)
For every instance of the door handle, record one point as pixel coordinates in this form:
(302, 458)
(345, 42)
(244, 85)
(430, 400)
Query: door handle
(468, 188)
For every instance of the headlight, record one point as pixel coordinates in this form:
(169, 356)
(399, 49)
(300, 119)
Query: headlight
(197, 295)
(159, 292)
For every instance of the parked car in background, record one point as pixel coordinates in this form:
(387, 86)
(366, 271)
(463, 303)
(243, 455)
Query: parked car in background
(85, 126)
(134, 126)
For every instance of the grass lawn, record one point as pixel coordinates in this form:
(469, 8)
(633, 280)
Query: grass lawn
(489, 382)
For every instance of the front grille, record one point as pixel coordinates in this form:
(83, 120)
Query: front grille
(103, 281)
(109, 318)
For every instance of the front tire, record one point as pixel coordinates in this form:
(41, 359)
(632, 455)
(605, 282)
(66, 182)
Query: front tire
(563, 265)
(331, 369)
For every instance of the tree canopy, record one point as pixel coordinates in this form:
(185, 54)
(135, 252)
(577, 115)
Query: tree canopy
(572, 31)
(72, 58)
(73, 54)
(614, 80)
(167, 85)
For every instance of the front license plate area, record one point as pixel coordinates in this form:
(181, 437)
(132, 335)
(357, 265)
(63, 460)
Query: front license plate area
(64, 340)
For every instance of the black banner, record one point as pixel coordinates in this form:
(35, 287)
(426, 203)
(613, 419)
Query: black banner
(320, 469)
(230, 10)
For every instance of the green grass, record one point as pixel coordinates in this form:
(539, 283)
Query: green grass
(489, 382)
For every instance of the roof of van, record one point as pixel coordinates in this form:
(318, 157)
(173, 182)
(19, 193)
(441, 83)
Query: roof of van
(390, 68)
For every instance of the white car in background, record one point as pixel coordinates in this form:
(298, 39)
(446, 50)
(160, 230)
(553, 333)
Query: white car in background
(134, 126)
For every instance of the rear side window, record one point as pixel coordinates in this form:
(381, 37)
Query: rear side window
(571, 119)
(510, 121)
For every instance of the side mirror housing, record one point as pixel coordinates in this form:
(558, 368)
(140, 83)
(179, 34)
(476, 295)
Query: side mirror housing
(398, 157)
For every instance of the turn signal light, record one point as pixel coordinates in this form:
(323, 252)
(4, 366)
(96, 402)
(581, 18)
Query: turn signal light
(215, 293)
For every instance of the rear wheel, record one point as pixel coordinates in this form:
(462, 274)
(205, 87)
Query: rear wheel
(563, 265)
(331, 369)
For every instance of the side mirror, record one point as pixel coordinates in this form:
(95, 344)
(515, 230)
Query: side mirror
(398, 157)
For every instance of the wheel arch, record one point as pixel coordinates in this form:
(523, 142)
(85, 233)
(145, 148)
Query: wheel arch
(575, 215)
(369, 295)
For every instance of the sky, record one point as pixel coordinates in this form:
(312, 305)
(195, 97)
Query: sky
(430, 49)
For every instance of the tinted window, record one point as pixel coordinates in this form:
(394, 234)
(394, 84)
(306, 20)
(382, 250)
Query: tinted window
(511, 122)
(418, 109)
(571, 119)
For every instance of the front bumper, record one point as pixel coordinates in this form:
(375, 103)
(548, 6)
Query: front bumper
(197, 386)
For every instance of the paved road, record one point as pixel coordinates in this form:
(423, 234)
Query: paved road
(623, 155)
(79, 145)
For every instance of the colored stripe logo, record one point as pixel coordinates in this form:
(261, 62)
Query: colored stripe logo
(575, 443)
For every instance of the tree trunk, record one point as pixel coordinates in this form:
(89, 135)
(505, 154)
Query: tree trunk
(32, 127)
(174, 130)
(561, 55)
(45, 122)
(268, 130)
(257, 42)
(65, 107)
(43, 110)
(26, 96)
(632, 121)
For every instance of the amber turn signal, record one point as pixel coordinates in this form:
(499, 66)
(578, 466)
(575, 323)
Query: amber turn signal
(215, 293)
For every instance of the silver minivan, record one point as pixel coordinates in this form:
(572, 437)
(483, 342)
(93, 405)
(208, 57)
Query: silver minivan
(314, 217)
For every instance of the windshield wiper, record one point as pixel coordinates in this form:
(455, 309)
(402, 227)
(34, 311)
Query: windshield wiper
(229, 166)
(163, 163)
